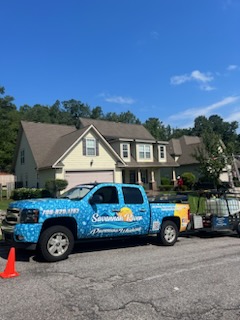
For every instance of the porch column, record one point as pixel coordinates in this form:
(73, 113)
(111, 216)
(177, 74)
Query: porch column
(153, 184)
(152, 176)
(174, 176)
(139, 180)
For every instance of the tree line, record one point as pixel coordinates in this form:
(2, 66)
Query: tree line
(68, 112)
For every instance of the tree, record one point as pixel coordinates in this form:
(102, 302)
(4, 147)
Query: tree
(9, 124)
(201, 125)
(211, 157)
(128, 117)
(55, 186)
(97, 113)
(156, 128)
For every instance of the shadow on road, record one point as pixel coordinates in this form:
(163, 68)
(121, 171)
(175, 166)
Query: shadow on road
(99, 245)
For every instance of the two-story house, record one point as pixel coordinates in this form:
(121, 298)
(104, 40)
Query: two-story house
(99, 151)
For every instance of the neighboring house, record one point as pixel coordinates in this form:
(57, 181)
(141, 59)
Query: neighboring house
(6, 179)
(99, 151)
(182, 151)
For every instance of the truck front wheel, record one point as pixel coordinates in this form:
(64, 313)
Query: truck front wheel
(56, 243)
(169, 233)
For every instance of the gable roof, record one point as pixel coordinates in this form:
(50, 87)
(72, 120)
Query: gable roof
(117, 130)
(49, 142)
(184, 148)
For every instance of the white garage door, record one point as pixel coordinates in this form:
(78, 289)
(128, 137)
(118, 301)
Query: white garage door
(76, 177)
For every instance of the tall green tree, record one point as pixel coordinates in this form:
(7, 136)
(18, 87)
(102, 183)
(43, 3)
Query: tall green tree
(97, 113)
(9, 124)
(211, 156)
(156, 128)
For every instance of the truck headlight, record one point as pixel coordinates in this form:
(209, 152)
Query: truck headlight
(29, 216)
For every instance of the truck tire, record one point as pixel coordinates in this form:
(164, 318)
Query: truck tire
(169, 233)
(56, 243)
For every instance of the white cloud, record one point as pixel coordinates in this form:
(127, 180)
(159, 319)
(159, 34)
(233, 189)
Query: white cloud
(202, 77)
(117, 99)
(154, 35)
(232, 67)
(207, 88)
(176, 80)
(234, 116)
(192, 113)
(194, 76)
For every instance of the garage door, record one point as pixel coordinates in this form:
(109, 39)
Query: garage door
(76, 177)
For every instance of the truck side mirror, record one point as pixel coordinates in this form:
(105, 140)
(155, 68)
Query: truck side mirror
(96, 198)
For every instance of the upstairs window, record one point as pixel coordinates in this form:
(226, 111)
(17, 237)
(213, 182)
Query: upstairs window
(162, 153)
(144, 151)
(125, 151)
(22, 157)
(90, 147)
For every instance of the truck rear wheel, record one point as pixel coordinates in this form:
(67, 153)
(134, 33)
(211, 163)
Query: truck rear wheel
(169, 233)
(56, 243)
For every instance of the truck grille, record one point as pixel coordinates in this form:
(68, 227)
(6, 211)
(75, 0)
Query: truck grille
(12, 216)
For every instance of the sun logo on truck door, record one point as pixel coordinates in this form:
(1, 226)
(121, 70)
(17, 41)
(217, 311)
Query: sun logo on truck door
(126, 214)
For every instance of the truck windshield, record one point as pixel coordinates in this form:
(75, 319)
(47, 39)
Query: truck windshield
(77, 192)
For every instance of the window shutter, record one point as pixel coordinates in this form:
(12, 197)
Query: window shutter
(97, 147)
(84, 147)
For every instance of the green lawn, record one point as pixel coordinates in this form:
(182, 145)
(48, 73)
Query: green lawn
(4, 204)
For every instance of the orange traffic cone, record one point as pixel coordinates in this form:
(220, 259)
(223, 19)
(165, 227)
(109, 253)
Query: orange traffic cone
(9, 271)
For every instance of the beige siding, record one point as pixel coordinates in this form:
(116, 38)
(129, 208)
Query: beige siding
(75, 160)
(118, 176)
(26, 172)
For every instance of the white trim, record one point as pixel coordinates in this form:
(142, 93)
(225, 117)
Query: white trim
(150, 159)
(145, 141)
(122, 151)
(162, 159)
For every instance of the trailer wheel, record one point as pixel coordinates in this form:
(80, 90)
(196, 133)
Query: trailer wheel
(56, 243)
(169, 233)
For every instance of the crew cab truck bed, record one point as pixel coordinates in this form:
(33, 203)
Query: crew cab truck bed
(91, 211)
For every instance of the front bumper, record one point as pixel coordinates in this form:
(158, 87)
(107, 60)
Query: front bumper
(10, 239)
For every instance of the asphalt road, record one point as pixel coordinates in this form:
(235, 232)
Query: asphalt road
(198, 278)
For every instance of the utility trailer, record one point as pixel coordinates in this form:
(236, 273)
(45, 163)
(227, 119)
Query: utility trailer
(216, 211)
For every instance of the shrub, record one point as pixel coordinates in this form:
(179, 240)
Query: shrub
(29, 193)
(188, 179)
(55, 186)
(168, 187)
(165, 181)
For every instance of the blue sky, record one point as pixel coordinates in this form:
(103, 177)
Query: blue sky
(170, 59)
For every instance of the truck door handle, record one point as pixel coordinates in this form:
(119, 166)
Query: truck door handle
(142, 210)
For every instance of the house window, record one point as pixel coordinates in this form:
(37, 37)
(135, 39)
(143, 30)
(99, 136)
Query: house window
(90, 147)
(22, 157)
(144, 151)
(162, 152)
(125, 150)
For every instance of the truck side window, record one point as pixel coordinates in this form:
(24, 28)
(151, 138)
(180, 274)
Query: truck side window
(109, 194)
(132, 195)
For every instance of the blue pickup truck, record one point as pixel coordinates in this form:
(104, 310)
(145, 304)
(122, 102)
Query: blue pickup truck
(91, 211)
